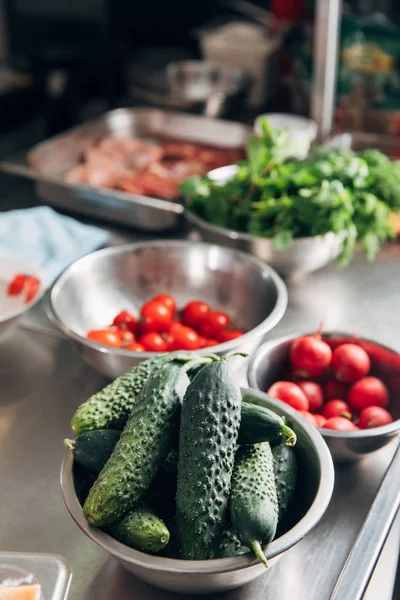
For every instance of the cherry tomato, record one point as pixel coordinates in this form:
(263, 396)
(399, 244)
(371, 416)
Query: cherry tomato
(124, 320)
(167, 300)
(350, 362)
(374, 416)
(136, 347)
(185, 337)
(156, 317)
(313, 392)
(126, 337)
(170, 341)
(368, 391)
(336, 408)
(172, 324)
(226, 335)
(340, 424)
(319, 420)
(335, 389)
(105, 337)
(32, 286)
(310, 356)
(309, 417)
(212, 323)
(16, 286)
(290, 393)
(210, 343)
(194, 312)
(153, 342)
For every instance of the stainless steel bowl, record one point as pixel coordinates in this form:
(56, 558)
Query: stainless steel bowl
(196, 577)
(304, 255)
(270, 362)
(95, 288)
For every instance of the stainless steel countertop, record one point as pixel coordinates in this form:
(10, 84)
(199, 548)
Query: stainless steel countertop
(43, 379)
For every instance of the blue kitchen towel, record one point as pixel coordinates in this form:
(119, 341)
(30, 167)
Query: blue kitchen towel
(46, 240)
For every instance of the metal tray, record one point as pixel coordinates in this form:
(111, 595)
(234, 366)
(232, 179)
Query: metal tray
(49, 160)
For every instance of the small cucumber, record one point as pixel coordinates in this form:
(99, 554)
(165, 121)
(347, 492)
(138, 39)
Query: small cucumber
(208, 436)
(92, 449)
(285, 470)
(110, 407)
(230, 545)
(254, 503)
(141, 449)
(259, 424)
(141, 529)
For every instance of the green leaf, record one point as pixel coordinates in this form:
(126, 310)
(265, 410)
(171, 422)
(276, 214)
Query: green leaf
(283, 239)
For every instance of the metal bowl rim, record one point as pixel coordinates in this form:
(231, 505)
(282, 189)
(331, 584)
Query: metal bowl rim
(170, 565)
(266, 347)
(266, 325)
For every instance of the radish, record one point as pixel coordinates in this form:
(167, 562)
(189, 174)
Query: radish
(350, 363)
(319, 420)
(369, 391)
(340, 424)
(335, 390)
(310, 355)
(336, 408)
(290, 393)
(307, 415)
(374, 416)
(313, 392)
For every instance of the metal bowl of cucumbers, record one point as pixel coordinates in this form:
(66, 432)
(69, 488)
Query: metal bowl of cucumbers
(187, 507)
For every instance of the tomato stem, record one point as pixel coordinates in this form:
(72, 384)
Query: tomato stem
(258, 551)
(318, 333)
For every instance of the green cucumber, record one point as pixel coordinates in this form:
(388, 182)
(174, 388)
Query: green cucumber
(141, 529)
(254, 502)
(142, 447)
(230, 545)
(110, 407)
(162, 491)
(209, 429)
(285, 470)
(259, 424)
(92, 449)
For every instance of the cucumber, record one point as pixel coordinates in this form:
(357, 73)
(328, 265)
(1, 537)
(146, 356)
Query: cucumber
(110, 407)
(142, 447)
(92, 449)
(230, 545)
(285, 470)
(162, 491)
(208, 436)
(141, 529)
(259, 424)
(254, 502)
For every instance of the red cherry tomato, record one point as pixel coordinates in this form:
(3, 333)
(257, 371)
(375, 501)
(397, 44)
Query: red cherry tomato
(186, 338)
(213, 323)
(309, 417)
(374, 416)
(32, 286)
(16, 286)
(170, 341)
(313, 392)
(210, 343)
(319, 420)
(310, 356)
(194, 312)
(335, 389)
(105, 337)
(290, 393)
(167, 300)
(153, 342)
(136, 347)
(124, 320)
(226, 335)
(126, 337)
(350, 362)
(369, 391)
(156, 317)
(340, 424)
(173, 323)
(336, 408)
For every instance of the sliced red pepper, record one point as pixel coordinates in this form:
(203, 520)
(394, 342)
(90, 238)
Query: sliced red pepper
(32, 286)
(16, 285)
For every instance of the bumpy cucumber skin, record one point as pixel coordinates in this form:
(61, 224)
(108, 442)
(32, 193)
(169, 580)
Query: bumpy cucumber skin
(230, 545)
(142, 448)
(162, 491)
(285, 470)
(209, 429)
(110, 407)
(141, 529)
(258, 424)
(254, 502)
(92, 449)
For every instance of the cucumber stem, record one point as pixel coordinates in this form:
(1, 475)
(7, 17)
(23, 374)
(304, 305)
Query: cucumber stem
(290, 434)
(70, 444)
(258, 551)
(234, 353)
(197, 362)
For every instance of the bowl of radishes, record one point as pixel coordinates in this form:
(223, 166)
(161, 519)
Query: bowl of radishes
(347, 386)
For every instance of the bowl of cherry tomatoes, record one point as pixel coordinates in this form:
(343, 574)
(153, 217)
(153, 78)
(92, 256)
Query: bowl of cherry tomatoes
(20, 289)
(346, 386)
(123, 304)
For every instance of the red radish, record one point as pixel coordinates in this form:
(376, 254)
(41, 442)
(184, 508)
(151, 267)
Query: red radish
(310, 356)
(335, 389)
(336, 408)
(350, 362)
(319, 420)
(374, 416)
(369, 391)
(314, 395)
(309, 417)
(340, 424)
(290, 393)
